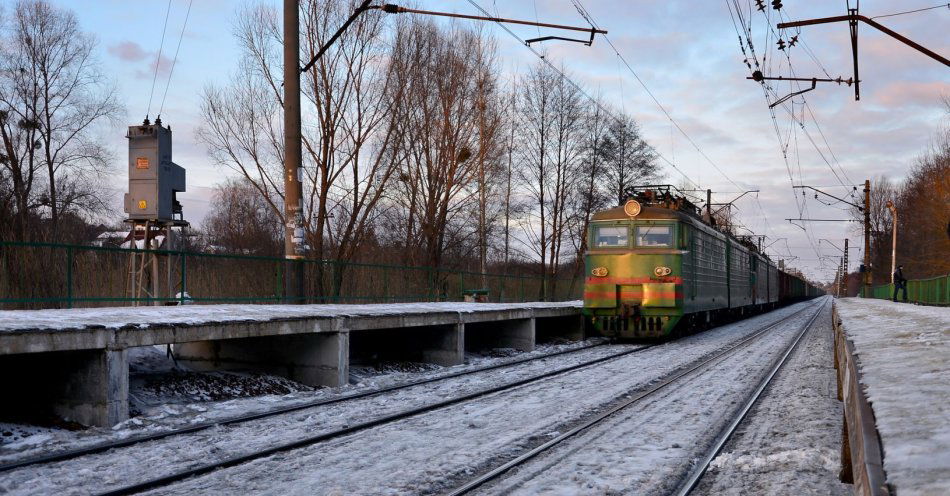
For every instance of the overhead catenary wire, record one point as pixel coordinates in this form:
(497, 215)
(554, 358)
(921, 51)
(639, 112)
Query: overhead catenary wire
(175, 60)
(586, 15)
(939, 6)
(577, 86)
(800, 121)
(158, 59)
(792, 133)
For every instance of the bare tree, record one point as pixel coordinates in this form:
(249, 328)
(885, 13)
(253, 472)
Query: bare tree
(240, 220)
(348, 151)
(52, 97)
(923, 205)
(451, 133)
(590, 195)
(552, 114)
(630, 159)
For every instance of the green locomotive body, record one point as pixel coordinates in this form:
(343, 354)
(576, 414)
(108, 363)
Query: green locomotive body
(655, 268)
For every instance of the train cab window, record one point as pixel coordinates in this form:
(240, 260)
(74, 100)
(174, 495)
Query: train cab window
(654, 236)
(610, 236)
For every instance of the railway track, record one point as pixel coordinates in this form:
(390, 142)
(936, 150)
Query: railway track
(102, 447)
(692, 479)
(234, 460)
(658, 386)
(237, 460)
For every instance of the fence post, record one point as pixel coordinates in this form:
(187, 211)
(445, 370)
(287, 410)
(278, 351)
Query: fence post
(279, 293)
(69, 277)
(429, 289)
(184, 278)
(461, 283)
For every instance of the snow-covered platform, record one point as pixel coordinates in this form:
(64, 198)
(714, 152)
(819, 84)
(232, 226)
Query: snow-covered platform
(76, 361)
(895, 359)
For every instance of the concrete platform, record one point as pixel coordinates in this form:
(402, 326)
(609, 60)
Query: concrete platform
(73, 362)
(894, 377)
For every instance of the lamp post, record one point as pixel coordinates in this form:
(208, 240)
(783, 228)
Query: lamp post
(893, 209)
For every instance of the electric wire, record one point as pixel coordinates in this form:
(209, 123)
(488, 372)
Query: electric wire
(940, 6)
(589, 19)
(784, 144)
(158, 60)
(578, 87)
(175, 60)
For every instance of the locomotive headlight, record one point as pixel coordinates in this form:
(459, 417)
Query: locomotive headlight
(631, 208)
(662, 271)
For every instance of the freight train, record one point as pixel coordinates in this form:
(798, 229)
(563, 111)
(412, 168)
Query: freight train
(657, 267)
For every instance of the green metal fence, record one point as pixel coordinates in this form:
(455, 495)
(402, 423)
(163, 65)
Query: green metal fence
(933, 291)
(49, 275)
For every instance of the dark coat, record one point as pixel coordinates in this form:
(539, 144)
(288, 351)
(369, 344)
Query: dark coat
(899, 276)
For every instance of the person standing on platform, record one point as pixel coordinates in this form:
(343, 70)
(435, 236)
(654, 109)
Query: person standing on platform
(899, 282)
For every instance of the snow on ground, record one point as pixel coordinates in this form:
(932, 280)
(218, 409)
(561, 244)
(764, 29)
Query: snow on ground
(164, 395)
(790, 443)
(156, 380)
(417, 455)
(648, 447)
(903, 353)
(144, 317)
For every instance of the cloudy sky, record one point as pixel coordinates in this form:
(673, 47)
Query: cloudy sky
(686, 52)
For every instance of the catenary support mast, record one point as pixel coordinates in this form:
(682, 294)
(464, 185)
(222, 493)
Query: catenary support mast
(293, 188)
(867, 238)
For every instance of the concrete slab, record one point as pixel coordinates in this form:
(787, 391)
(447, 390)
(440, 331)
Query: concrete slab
(84, 368)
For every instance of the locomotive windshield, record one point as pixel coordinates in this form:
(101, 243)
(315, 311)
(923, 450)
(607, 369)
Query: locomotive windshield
(654, 236)
(610, 236)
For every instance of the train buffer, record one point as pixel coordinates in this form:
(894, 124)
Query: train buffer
(894, 380)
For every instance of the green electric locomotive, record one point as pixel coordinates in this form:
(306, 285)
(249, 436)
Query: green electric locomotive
(656, 268)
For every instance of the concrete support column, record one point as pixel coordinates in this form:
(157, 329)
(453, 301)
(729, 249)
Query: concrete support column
(517, 334)
(443, 345)
(96, 389)
(89, 387)
(316, 359)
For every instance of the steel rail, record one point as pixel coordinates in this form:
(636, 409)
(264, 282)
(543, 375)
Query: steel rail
(99, 448)
(385, 419)
(598, 418)
(699, 470)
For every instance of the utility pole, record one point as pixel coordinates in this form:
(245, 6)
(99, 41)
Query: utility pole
(844, 269)
(482, 187)
(838, 278)
(867, 238)
(293, 188)
(293, 148)
(893, 209)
